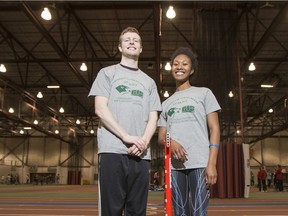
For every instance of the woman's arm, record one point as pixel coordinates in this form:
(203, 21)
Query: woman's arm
(214, 129)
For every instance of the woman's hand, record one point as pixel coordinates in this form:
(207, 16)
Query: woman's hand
(211, 174)
(178, 151)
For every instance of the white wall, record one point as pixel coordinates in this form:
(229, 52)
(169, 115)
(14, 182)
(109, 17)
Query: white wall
(270, 152)
(42, 154)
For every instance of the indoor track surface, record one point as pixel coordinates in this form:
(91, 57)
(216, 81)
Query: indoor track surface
(68, 200)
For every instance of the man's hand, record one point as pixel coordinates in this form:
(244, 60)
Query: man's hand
(138, 141)
(135, 150)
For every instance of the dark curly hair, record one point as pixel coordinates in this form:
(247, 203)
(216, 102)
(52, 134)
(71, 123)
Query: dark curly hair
(188, 52)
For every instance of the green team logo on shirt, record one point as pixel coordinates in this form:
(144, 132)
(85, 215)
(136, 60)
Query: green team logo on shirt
(122, 88)
(184, 109)
(125, 89)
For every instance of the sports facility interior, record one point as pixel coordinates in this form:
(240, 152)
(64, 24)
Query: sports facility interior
(51, 52)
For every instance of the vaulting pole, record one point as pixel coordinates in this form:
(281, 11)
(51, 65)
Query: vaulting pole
(168, 188)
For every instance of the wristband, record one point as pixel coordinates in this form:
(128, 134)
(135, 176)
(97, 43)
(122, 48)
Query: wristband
(214, 145)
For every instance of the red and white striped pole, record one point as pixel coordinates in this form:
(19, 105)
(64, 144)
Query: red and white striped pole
(168, 188)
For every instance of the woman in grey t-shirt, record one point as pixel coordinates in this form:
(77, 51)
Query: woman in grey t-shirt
(190, 115)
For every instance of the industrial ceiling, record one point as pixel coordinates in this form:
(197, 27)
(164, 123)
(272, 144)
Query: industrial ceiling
(227, 36)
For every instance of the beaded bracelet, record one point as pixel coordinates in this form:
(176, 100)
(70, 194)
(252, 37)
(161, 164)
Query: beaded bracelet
(214, 145)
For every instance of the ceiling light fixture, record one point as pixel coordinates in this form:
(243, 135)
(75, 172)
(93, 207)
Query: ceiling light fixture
(61, 110)
(56, 131)
(167, 66)
(170, 13)
(39, 95)
(27, 128)
(46, 15)
(83, 67)
(91, 131)
(230, 94)
(78, 121)
(166, 94)
(53, 86)
(11, 110)
(266, 86)
(270, 110)
(35, 122)
(2, 68)
(252, 67)
(21, 132)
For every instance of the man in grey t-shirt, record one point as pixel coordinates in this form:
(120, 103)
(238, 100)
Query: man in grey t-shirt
(127, 103)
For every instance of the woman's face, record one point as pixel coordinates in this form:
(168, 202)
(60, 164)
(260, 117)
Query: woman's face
(181, 68)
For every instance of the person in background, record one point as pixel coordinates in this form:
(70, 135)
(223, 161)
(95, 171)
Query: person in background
(127, 103)
(2, 179)
(251, 178)
(279, 178)
(259, 179)
(274, 180)
(57, 178)
(269, 179)
(27, 178)
(156, 180)
(263, 178)
(190, 115)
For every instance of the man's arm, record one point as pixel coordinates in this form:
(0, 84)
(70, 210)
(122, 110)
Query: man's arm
(161, 135)
(103, 112)
(151, 126)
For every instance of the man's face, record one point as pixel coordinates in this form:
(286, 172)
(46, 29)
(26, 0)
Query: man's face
(130, 46)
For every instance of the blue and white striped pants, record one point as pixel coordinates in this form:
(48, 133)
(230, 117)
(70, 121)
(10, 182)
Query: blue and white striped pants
(190, 193)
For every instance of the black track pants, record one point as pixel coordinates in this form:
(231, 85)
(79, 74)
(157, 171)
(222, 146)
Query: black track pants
(123, 185)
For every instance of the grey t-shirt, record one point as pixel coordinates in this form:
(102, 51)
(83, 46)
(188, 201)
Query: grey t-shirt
(185, 116)
(132, 95)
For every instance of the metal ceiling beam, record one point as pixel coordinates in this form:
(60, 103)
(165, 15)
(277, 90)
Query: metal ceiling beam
(184, 37)
(280, 101)
(33, 58)
(34, 19)
(280, 123)
(117, 59)
(252, 55)
(75, 152)
(57, 60)
(80, 25)
(273, 36)
(41, 104)
(269, 134)
(123, 5)
(12, 151)
(36, 127)
(279, 17)
(157, 22)
(278, 60)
